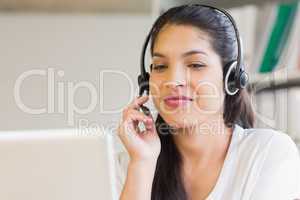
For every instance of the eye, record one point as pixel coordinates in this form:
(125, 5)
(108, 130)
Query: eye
(158, 67)
(196, 65)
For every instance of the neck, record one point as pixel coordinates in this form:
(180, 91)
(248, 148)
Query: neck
(203, 143)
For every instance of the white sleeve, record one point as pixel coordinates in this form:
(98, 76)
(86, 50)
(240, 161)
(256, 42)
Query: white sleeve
(122, 160)
(280, 175)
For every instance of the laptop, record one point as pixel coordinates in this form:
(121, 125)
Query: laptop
(66, 164)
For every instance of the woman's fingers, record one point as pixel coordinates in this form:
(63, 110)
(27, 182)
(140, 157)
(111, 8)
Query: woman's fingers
(139, 144)
(129, 131)
(133, 108)
(137, 102)
(134, 117)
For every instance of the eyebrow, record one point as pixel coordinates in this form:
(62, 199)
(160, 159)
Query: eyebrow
(188, 53)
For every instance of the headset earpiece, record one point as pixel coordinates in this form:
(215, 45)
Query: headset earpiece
(233, 81)
(229, 83)
(244, 78)
(143, 81)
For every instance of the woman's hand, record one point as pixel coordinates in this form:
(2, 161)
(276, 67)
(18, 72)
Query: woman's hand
(141, 145)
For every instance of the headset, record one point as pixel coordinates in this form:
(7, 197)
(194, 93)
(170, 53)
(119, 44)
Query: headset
(235, 68)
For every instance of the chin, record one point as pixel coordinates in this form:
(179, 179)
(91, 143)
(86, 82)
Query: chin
(184, 121)
(176, 121)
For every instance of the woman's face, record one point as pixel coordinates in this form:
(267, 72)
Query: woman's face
(185, 64)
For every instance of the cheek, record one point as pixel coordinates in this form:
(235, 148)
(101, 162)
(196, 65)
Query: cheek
(155, 84)
(208, 93)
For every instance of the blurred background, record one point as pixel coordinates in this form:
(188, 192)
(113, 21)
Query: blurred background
(67, 64)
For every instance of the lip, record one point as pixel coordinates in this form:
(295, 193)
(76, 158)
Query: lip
(177, 100)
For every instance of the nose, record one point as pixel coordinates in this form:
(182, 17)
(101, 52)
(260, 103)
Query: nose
(176, 77)
(174, 84)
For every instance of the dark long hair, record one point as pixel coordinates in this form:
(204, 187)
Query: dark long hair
(167, 183)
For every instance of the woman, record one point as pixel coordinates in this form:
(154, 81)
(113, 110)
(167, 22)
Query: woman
(203, 146)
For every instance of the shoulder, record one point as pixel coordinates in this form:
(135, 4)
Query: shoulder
(267, 140)
(270, 147)
(277, 162)
(266, 149)
(278, 146)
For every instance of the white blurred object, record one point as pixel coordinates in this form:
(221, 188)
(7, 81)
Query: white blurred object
(294, 110)
(56, 165)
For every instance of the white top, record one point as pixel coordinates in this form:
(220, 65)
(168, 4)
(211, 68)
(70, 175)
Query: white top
(260, 164)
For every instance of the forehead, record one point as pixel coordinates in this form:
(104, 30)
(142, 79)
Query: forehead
(181, 38)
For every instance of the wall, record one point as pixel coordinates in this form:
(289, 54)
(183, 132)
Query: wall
(69, 52)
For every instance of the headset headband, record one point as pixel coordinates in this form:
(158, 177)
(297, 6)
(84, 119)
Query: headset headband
(239, 59)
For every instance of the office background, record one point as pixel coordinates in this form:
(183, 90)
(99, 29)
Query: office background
(94, 43)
